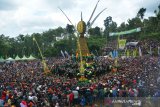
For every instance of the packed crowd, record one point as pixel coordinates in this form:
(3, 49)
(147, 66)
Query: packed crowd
(23, 84)
(146, 46)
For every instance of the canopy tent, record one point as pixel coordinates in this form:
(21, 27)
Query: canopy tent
(31, 58)
(24, 58)
(132, 44)
(9, 59)
(17, 58)
(1, 59)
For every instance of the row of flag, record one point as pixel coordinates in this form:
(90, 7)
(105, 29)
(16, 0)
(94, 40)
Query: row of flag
(115, 53)
(134, 53)
(64, 54)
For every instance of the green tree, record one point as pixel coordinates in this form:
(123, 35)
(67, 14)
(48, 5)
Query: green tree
(134, 23)
(95, 31)
(5, 45)
(122, 27)
(110, 26)
(107, 21)
(70, 29)
(141, 13)
(157, 13)
(96, 44)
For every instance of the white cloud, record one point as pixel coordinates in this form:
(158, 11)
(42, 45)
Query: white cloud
(29, 16)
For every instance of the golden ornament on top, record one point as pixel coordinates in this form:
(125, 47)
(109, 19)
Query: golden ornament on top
(81, 27)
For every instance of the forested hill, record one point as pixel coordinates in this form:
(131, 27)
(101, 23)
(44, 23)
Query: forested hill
(24, 44)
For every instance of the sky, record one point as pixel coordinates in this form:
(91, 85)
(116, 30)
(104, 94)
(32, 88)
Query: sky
(36, 16)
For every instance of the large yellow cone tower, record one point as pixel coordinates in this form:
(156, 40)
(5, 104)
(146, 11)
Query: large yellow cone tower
(81, 27)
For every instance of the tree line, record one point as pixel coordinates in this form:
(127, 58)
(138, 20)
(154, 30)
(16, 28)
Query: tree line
(24, 44)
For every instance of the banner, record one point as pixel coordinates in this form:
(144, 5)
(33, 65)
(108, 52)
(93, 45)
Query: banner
(127, 53)
(122, 43)
(135, 53)
(125, 32)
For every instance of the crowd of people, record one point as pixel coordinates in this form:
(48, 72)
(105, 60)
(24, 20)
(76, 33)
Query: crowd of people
(146, 46)
(24, 84)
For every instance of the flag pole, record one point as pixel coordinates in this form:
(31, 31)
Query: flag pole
(116, 59)
(45, 67)
(34, 39)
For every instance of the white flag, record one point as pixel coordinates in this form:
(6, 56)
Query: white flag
(150, 50)
(67, 54)
(62, 54)
(158, 50)
(140, 52)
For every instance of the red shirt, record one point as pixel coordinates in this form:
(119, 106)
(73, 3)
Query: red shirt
(71, 97)
(3, 95)
(31, 104)
(134, 81)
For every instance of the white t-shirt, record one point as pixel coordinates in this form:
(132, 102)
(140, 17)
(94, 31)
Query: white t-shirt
(75, 94)
(30, 98)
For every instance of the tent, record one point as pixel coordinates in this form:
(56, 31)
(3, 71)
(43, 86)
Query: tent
(24, 58)
(17, 58)
(1, 59)
(132, 43)
(31, 58)
(9, 59)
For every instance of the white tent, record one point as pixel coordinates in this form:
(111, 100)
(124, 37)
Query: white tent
(131, 43)
(9, 59)
(31, 58)
(17, 58)
(1, 59)
(24, 58)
